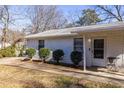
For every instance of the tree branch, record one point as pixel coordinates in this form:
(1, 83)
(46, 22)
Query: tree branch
(109, 12)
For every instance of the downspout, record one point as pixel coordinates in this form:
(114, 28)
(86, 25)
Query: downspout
(123, 49)
(84, 55)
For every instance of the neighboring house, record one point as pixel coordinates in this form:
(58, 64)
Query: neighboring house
(96, 42)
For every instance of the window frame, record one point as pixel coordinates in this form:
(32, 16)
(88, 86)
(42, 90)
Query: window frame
(97, 48)
(41, 45)
(79, 45)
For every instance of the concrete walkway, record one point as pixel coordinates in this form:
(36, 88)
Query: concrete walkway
(117, 78)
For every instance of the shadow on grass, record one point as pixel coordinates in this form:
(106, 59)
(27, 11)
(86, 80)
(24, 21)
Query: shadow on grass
(93, 68)
(74, 72)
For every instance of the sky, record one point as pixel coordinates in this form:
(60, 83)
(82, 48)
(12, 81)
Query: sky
(65, 9)
(73, 8)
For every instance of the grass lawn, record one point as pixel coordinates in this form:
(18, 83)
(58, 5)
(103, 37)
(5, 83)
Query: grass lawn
(13, 77)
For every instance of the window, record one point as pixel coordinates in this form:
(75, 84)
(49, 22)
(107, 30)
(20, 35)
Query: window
(41, 44)
(78, 44)
(99, 48)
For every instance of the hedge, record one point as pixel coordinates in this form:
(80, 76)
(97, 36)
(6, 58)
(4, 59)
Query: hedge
(8, 52)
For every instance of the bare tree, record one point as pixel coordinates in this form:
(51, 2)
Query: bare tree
(72, 18)
(111, 12)
(45, 18)
(5, 19)
(15, 36)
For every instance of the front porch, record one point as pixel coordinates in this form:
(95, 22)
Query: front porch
(99, 46)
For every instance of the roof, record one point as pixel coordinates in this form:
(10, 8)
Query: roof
(83, 29)
(102, 27)
(52, 33)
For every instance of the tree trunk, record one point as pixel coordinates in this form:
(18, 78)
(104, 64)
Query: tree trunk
(57, 61)
(4, 38)
(44, 60)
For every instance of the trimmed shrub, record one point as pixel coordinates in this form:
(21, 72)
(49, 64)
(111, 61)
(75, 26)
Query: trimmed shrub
(44, 53)
(57, 55)
(8, 52)
(30, 52)
(76, 57)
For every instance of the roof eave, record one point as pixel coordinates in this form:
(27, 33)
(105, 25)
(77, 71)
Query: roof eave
(99, 30)
(51, 36)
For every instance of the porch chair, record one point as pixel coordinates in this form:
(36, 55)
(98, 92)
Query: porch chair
(112, 64)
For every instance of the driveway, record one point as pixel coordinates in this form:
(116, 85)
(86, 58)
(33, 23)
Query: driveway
(117, 78)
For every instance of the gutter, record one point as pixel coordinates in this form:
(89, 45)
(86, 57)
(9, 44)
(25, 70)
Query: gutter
(103, 29)
(51, 36)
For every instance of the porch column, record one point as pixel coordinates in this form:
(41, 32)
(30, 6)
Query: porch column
(84, 52)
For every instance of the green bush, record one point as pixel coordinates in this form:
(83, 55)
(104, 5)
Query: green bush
(30, 52)
(44, 53)
(76, 57)
(8, 52)
(11, 50)
(21, 51)
(58, 54)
